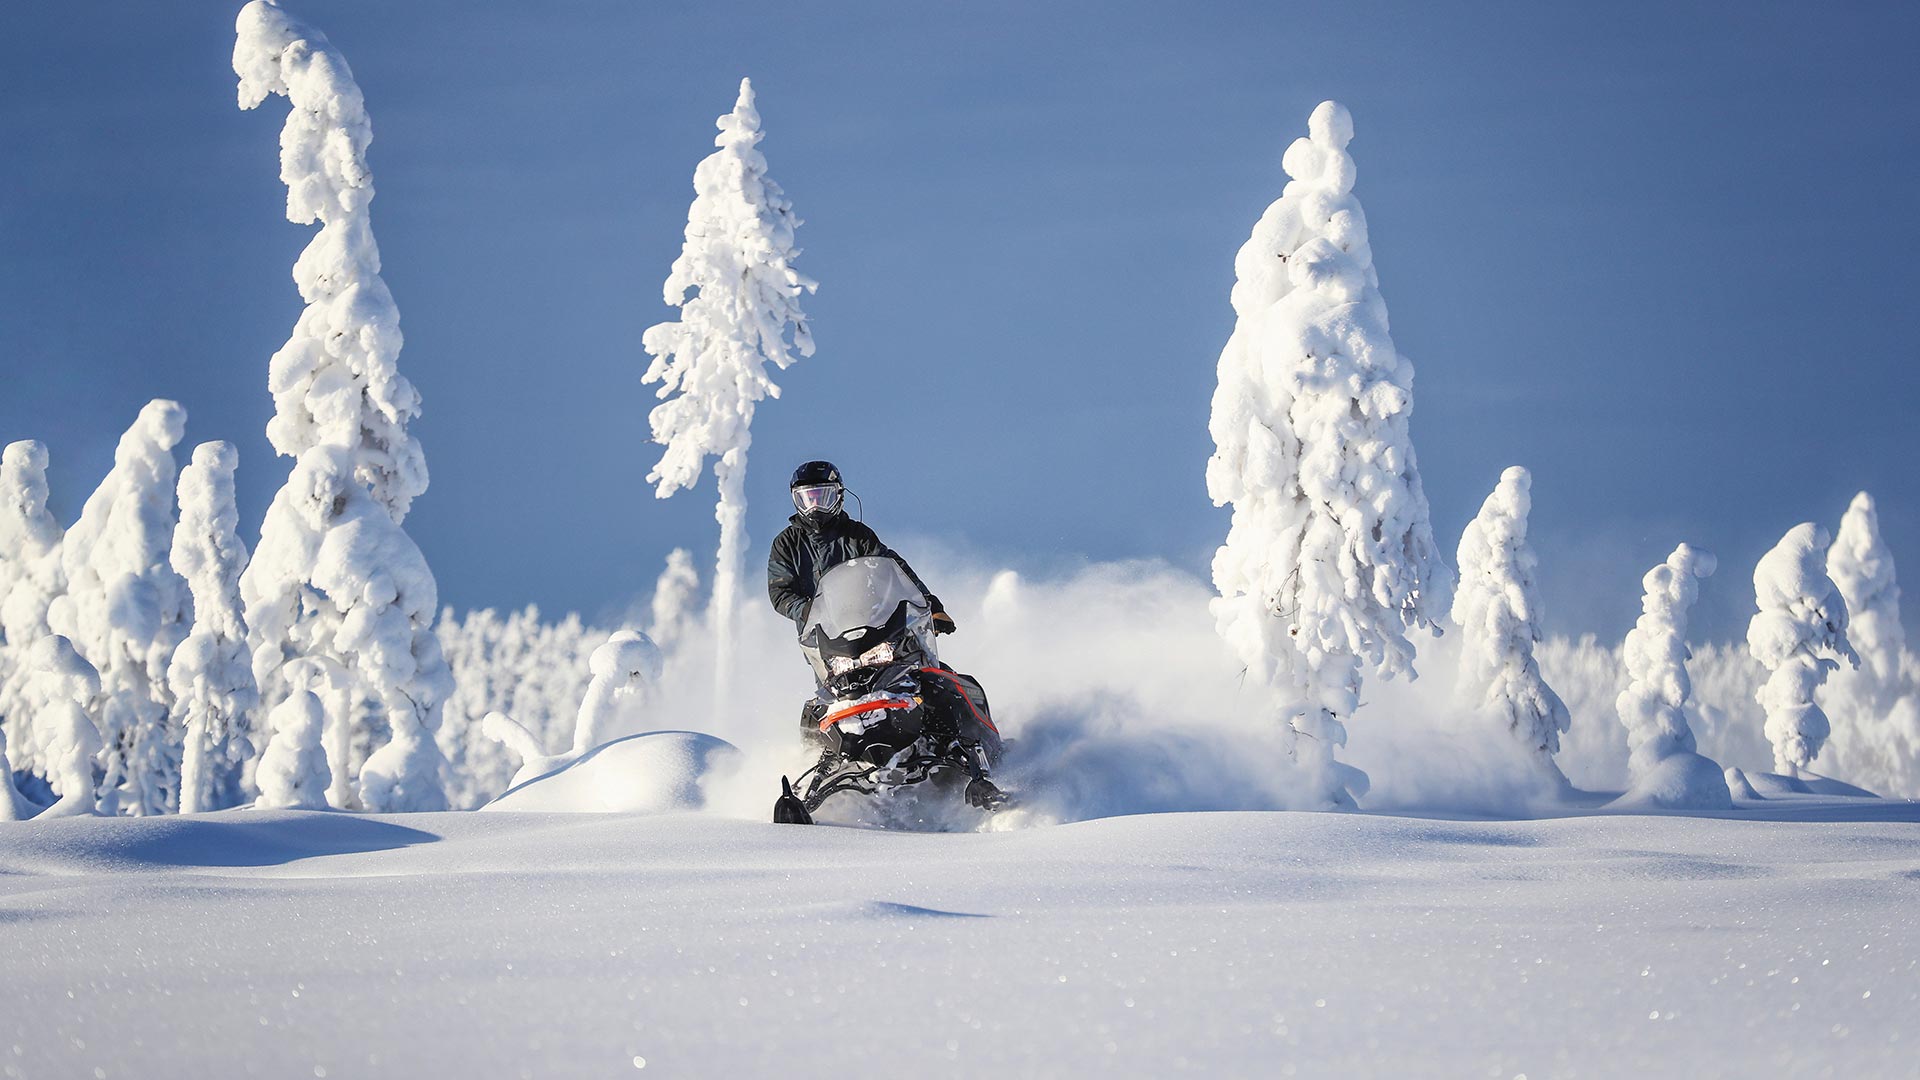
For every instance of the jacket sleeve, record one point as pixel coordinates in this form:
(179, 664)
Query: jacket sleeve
(783, 586)
(865, 542)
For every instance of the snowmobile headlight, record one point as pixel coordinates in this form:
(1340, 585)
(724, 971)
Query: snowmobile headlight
(840, 665)
(878, 655)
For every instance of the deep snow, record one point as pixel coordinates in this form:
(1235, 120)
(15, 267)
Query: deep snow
(256, 943)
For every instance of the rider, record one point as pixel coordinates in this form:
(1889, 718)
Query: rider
(819, 537)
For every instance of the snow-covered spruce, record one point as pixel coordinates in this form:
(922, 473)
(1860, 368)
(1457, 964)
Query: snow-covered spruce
(293, 772)
(1331, 556)
(738, 295)
(624, 669)
(334, 577)
(211, 673)
(1497, 608)
(13, 805)
(1874, 712)
(1799, 631)
(1656, 707)
(63, 692)
(125, 610)
(30, 578)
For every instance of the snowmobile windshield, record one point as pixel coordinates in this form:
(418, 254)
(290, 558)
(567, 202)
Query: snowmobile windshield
(817, 498)
(860, 594)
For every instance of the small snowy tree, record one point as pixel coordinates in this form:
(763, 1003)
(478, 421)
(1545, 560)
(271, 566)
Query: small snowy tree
(1330, 557)
(1875, 738)
(125, 610)
(334, 576)
(211, 674)
(673, 597)
(1497, 609)
(30, 578)
(624, 670)
(738, 294)
(64, 690)
(1656, 706)
(293, 772)
(1799, 631)
(13, 805)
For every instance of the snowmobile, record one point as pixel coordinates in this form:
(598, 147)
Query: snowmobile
(888, 714)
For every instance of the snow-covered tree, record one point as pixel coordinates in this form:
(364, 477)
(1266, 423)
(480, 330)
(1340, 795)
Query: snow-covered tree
(1498, 611)
(334, 576)
(63, 692)
(673, 598)
(293, 773)
(625, 669)
(125, 610)
(1330, 558)
(1876, 739)
(738, 295)
(13, 805)
(30, 578)
(211, 674)
(1665, 768)
(1799, 633)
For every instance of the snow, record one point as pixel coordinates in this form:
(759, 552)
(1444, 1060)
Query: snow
(739, 301)
(1330, 555)
(1497, 608)
(653, 772)
(1656, 706)
(1799, 630)
(1269, 944)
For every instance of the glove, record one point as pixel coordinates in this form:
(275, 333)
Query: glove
(943, 623)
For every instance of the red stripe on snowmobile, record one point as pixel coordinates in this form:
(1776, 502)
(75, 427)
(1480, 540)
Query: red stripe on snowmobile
(964, 696)
(871, 706)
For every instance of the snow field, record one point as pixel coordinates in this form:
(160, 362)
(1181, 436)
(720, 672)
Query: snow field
(321, 944)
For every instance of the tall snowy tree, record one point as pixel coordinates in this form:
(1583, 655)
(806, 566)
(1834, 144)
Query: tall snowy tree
(1657, 705)
(1330, 558)
(1498, 610)
(1799, 633)
(738, 296)
(125, 610)
(30, 578)
(1876, 740)
(211, 673)
(335, 578)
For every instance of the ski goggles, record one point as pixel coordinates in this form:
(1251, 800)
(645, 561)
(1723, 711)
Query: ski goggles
(816, 497)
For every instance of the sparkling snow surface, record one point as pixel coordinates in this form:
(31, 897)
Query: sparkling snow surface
(280, 944)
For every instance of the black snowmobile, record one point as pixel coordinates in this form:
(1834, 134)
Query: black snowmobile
(888, 714)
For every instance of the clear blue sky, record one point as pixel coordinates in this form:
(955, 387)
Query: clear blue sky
(1661, 254)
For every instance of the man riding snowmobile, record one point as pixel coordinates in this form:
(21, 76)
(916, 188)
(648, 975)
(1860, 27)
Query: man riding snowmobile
(820, 536)
(886, 713)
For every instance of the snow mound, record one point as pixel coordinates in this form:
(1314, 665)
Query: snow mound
(1773, 785)
(1679, 781)
(657, 772)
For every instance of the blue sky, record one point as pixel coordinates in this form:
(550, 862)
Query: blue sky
(1663, 255)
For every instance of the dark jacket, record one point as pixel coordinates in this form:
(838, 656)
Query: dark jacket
(804, 551)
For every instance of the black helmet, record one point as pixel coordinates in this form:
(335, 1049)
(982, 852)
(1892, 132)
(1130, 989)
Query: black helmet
(817, 490)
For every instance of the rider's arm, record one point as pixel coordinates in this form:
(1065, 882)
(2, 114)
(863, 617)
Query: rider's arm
(865, 542)
(783, 584)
